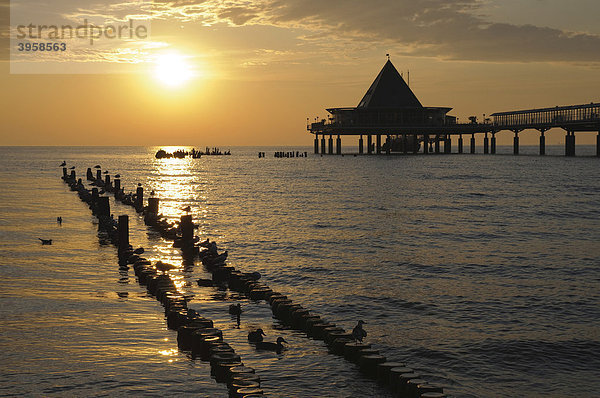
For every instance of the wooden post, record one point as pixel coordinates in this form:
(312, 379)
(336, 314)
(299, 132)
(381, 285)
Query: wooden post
(415, 144)
(360, 145)
(460, 144)
(493, 144)
(153, 205)
(370, 144)
(139, 199)
(542, 143)
(448, 145)
(107, 181)
(338, 147)
(426, 144)
(437, 143)
(73, 175)
(65, 169)
(117, 185)
(598, 144)
(187, 228)
(323, 144)
(99, 174)
(516, 143)
(378, 148)
(472, 143)
(404, 143)
(90, 175)
(316, 144)
(103, 208)
(123, 230)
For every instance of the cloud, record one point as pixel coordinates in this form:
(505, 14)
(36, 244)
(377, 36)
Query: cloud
(449, 29)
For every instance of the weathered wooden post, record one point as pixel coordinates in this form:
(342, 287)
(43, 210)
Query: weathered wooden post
(516, 143)
(187, 228)
(123, 231)
(139, 198)
(426, 144)
(360, 145)
(370, 144)
(117, 185)
(89, 175)
(338, 146)
(598, 144)
(316, 144)
(323, 144)
(473, 143)
(65, 169)
(103, 207)
(330, 145)
(99, 174)
(73, 176)
(378, 149)
(542, 143)
(437, 143)
(153, 205)
(493, 143)
(460, 144)
(107, 181)
(448, 145)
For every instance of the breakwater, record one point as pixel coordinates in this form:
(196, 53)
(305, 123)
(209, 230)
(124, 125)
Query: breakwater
(197, 334)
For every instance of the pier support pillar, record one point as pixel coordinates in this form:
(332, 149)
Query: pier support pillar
(437, 144)
(388, 145)
(598, 144)
(486, 144)
(404, 143)
(378, 149)
(448, 144)
(493, 144)
(323, 144)
(516, 143)
(338, 147)
(460, 144)
(472, 143)
(542, 143)
(316, 144)
(426, 144)
(570, 143)
(415, 144)
(330, 145)
(123, 231)
(369, 144)
(360, 145)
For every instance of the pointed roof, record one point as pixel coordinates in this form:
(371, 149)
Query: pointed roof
(389, 90)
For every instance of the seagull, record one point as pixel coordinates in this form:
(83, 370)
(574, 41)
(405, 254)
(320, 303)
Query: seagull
(117, 175)
(139, 184)
(266, 345)
(105, 172)
(235, 309)
(63, 164)
(97, 166)
(72, 167)
(358, 333)
(59, 220)
(139, 250)
(152, 193)
(187, 209)
(256, 336)
(46, 241)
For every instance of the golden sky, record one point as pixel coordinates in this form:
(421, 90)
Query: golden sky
(242, 72)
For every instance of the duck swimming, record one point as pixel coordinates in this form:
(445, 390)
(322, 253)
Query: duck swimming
(164, 267)
(358, 333)
(256, 336)
(266, 345)
(235, 309)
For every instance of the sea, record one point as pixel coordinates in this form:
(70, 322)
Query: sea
(481, 272)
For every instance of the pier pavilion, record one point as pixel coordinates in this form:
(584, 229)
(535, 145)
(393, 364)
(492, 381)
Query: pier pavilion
(390, 109)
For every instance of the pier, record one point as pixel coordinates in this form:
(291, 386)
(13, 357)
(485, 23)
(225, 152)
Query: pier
(390, 112)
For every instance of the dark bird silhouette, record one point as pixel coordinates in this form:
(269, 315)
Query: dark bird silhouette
(117, 175)
(256, 336)
(63, 164)
(59, 220)
(164, 267)
(105, 172)
(46, 241)
(187, 209)
(97, 166)
(266, 345)
(235, 309)
(139, 184)
(72, 168)
(358, 333)
(139, 250)
(152, 193)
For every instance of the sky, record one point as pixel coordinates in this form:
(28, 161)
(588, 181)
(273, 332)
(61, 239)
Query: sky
(241, 72)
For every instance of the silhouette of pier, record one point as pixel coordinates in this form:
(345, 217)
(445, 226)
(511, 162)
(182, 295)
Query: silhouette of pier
(390, 111)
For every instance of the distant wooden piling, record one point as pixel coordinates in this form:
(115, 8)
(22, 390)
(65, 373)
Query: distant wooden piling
(103, 207)
(187, 228)
(99, 174)
(139, 199)
(153, 204)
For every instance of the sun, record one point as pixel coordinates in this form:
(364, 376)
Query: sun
(172, 69)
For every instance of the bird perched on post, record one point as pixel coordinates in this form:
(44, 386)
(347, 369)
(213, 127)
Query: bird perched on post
(358, 333)
(63, 164)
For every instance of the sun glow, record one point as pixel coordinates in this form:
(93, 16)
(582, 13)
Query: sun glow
(173, 69)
